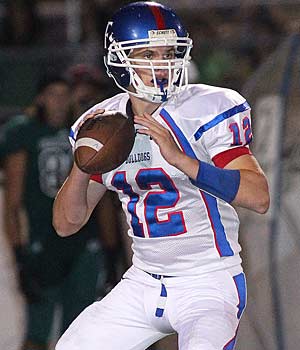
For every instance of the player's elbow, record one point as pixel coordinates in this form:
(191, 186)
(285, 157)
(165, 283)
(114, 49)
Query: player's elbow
(257, 200)
(263, 207)
(64, 228)
(67, 222)
(61, 230)
(263, 201)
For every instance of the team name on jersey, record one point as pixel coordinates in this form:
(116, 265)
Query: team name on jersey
(138, 157)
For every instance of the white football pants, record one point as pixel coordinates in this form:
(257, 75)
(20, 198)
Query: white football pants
(204, 310)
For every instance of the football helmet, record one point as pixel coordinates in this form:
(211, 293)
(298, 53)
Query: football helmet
(147, 25)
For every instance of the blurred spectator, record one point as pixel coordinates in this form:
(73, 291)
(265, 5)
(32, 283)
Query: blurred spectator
(94, 17)
(88, 87)
(211, 58)
(233, 41)
(21, 25)
(52, 271)
(260, 31)
(90, 48)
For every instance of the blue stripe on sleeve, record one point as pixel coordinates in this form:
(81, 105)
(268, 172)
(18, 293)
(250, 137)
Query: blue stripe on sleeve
(219, 118)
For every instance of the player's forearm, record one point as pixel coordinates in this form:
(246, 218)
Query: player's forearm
(221, 183)
(244, 188)
(186, 164)
(70, 208)
(253, 192)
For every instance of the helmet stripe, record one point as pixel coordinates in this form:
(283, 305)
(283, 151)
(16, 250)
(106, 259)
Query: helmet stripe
(159, 19)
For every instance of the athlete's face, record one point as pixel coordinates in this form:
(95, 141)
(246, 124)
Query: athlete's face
(153, 54)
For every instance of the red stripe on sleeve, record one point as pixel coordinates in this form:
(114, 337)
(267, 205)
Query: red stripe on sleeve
(97, 178)
(222, 159)
(159, 19)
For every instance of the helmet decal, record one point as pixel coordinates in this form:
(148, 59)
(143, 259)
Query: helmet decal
(159, 19)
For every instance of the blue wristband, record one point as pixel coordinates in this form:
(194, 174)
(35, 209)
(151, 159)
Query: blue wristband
(221, 183)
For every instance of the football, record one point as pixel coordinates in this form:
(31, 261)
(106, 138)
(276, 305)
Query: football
(104, 142)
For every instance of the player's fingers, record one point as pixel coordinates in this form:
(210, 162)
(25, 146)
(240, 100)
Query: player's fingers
(143, 122)
(153, 131)
(143, 131)
(149, 123)
(95, 114)
(157, 138)
(158, 135)
(149, 117)
(99, 112)
(141, 118)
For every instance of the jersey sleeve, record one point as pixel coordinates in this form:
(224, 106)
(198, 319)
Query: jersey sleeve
(228, 134)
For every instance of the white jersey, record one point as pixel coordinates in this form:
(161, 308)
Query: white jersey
(178, 229)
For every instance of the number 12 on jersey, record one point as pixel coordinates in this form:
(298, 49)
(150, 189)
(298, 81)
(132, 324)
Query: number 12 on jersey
(164, 196)
(236, 132)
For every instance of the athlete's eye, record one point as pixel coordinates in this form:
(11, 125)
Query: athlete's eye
(169, 55)
(148, 55)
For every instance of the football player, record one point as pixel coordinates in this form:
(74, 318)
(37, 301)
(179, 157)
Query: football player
(179, 199)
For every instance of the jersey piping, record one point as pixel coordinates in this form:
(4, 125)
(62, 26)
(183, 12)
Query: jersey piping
(210, 202)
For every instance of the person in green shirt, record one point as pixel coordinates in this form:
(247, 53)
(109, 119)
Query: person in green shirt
(53, 271)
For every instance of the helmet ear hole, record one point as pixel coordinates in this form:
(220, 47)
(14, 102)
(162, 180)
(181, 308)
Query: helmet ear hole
(122, 75)
(180, 52)
(119, 74)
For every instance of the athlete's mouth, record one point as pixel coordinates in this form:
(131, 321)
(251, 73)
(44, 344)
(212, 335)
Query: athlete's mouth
(161, 83)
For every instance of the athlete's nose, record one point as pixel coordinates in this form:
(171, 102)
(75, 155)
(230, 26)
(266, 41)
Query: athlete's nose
(161, 77)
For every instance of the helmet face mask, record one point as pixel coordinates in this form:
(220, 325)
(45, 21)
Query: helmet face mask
(142, 33)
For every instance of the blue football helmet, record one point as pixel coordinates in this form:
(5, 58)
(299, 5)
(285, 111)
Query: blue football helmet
(145, 25)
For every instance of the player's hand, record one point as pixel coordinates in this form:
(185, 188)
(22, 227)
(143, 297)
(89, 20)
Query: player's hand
(93, 115)
(162, 136)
